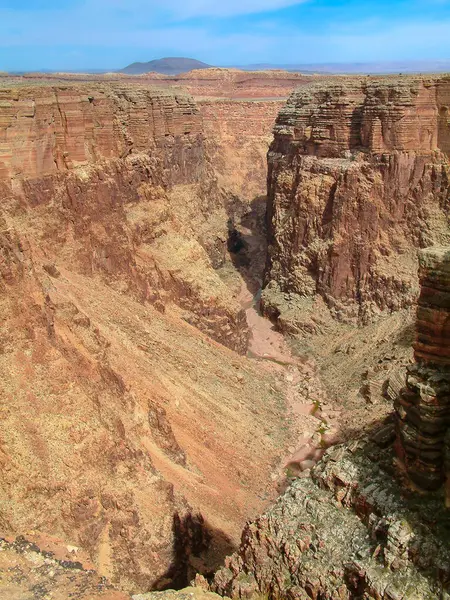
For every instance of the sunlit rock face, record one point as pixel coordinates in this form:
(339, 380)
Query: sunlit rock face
(423, 407)
(49, 129)
(358, 180)
(128, 191)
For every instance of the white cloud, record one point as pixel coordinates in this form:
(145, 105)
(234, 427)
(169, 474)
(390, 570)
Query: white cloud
(118, 32)
(184, 9)
(225, 8)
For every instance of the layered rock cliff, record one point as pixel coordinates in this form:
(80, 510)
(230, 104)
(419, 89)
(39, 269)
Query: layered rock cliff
(124, 421)
(51, 129)
(140, 154)
(422, 408)
(358, 180)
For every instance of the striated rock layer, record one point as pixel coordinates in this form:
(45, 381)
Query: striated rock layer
(51, 129)
(120, 178)
(423, 406)
(358, 180)
(123, 404)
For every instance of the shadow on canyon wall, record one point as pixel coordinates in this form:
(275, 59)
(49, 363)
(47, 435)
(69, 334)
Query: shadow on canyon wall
(247, 243)
(197, 548)
(355, 141)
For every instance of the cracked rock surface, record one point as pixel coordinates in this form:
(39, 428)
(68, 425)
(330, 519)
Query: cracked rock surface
(350, 531)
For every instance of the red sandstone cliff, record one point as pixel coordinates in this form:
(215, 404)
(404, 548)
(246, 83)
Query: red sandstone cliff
(47, 130)
(136, 155)
(422, 405)
(358, 180)
(237, 136)
(120, 420)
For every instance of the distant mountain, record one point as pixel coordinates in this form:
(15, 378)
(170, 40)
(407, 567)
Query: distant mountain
(166, 66)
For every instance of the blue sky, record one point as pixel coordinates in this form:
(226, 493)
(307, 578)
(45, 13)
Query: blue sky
(73, 34)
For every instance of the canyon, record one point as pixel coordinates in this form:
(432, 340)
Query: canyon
(125, 387)
(172, 358)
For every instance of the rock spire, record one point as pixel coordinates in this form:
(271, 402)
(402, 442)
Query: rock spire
(423, 406)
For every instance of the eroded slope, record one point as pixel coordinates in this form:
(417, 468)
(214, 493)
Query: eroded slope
(122, 418)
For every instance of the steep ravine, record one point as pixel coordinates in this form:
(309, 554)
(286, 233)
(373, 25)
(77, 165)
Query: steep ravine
(124, 389)
(148, 408)
(125, 395)
(372, 521)
(358, 183)
(313, 417)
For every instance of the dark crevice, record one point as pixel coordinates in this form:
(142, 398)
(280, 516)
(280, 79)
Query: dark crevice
(247, 243)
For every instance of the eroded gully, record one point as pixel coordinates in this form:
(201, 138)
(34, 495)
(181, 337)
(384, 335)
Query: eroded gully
(313, 419)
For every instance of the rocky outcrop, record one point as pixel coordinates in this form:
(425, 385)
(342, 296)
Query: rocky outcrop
(28, 572)
(358, 180)
(190, 593)
(352, 527)
(348, 532)
(423, 406)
